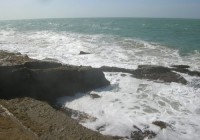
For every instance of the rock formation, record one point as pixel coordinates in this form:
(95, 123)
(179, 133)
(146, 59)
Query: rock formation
(48, 80)
(83, 53)
(27, 118)
(24, 81)
(151, 72)
(158, 73)
(30, 119)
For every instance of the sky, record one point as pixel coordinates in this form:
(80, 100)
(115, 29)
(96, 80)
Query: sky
(34, 9)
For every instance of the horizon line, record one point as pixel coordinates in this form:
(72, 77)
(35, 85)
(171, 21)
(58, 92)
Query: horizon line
(43, 18)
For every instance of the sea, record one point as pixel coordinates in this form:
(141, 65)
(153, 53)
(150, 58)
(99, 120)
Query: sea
(128, 104)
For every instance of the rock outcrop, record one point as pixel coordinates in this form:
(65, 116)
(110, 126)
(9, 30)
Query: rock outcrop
(184, 69)
(27, 118)
(32, 119)
(22, 117)
(116, 69)
(139, 134)
(7, 58)
(11, 128)
(48, 80)
(158, 73)
(161, 124)
(83, 53)
(151, 72)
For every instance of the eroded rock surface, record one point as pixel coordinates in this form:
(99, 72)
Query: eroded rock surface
(184, 69)
(22, 77)
(158, 73)
(161, 124)
(151, 72)
(48, 80)
(7, 58)
(11, 127)
(142, 134)
(30, 119)
(83, 53)
(38, 120)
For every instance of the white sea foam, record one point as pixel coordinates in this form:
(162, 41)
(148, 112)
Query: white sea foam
(105, 50)
(128, 101)
(131, 102)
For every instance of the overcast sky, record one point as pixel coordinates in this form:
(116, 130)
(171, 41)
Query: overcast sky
(29, 9)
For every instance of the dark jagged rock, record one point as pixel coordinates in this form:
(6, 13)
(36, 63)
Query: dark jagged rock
(194, 73)
(123, 75)
(141, 135)
(180, 66)
(181, 70)
(153, 69)
(158, 73)
(48, 81)
(94, 96)
(31, 119)
(116, 69)
(77, 115)
(83, 53)
(195, 83)
(50, 60)
(184, 69)
(150, 72)
(161, 124)
(41, 65)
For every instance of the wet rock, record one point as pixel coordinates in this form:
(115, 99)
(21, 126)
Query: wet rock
(47, 81)
(141, 135)
(83, 53)
(79, 116)
(153, 69)
(184, 69)
(195, 83)
(101, 128)
(94, 96)
(41, 65)
(116, 69)
(180, 70)
(161, 124)
(180, 66)
(120, 138)
(151, 72)
(123, 75)
(194, 73)
(51, 60)
(158, 73)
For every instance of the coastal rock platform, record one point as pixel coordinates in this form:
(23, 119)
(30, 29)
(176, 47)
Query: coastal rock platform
(29, 89)
(25, 81)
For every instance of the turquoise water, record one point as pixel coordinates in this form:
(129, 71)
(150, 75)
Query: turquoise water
(181, 34)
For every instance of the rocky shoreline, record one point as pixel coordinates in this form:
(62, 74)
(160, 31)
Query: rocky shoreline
(22, 85)
(33, 119)
(29, 89)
